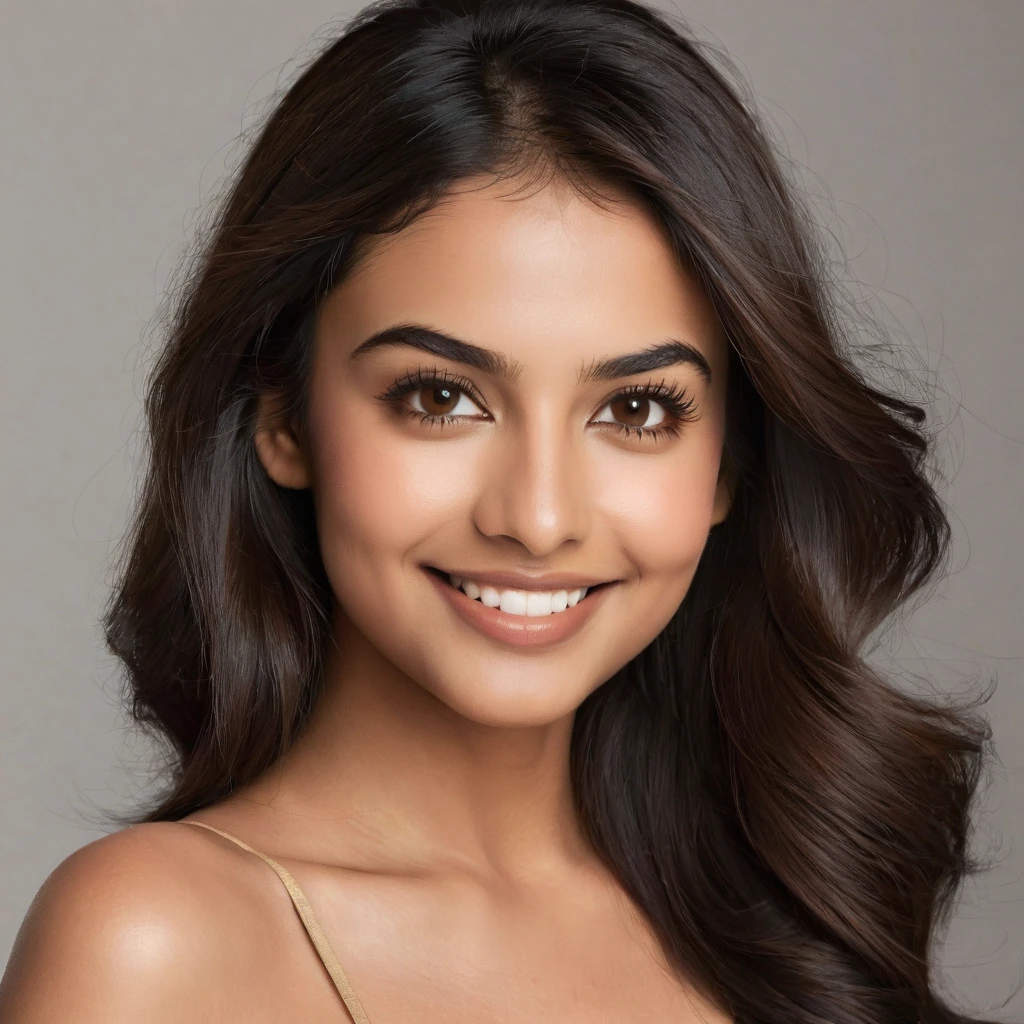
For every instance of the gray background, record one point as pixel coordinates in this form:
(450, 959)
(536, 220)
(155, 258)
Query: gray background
(119, 119)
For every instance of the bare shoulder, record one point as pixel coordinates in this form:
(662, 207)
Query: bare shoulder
(116, 929)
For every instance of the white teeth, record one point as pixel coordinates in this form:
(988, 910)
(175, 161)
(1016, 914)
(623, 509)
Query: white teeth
(513, 602)
(520, 602)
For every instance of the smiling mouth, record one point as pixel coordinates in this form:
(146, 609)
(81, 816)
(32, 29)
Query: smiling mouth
(513, 601)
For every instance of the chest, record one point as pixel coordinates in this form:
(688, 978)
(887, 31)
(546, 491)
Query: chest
(430, 954)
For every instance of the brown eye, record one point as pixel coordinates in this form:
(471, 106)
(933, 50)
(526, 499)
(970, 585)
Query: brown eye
(635, 410)
(434, 399)
(440, 400)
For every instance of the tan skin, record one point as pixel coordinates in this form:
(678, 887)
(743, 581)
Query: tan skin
(426, 810)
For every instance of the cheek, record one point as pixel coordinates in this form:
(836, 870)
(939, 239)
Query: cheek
(663, 508)
(378, 493)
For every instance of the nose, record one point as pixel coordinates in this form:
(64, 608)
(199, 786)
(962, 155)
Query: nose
(535, 491)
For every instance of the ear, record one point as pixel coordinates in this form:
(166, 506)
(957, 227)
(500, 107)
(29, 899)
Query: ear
(724, 490)
(278, 447)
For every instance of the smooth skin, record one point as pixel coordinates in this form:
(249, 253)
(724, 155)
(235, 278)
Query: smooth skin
(426, 810)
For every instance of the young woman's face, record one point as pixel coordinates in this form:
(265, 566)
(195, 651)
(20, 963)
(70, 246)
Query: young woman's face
(516, 454)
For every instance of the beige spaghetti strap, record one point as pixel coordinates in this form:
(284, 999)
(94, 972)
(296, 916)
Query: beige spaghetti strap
(311, 924)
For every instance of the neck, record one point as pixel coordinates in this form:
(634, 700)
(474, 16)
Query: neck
(390, 773)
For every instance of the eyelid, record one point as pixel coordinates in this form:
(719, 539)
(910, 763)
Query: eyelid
(420, 378)
(674, 398)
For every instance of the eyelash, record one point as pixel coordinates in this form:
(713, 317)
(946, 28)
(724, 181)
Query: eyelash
(675, 401)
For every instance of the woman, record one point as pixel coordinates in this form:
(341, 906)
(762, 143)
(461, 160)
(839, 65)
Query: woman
(515, 524)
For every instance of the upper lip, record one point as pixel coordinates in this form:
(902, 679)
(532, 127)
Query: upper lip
(528, 580)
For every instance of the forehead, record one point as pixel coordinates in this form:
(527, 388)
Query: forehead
(544, 275)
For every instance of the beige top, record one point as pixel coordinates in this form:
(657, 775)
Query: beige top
(310, 923)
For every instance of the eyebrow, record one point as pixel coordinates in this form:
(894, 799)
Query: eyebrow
(666, 353)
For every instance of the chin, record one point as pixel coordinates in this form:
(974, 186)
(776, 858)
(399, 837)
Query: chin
(524, 701)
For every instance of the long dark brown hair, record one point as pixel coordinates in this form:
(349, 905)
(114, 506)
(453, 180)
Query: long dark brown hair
(794, 825)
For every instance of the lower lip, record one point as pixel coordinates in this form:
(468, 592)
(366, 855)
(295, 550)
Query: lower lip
(521, 630)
